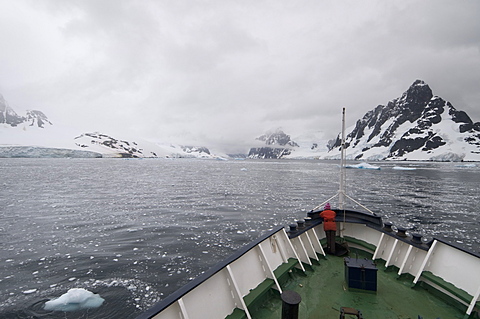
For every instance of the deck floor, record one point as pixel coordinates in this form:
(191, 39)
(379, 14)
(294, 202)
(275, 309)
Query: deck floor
(324, 291)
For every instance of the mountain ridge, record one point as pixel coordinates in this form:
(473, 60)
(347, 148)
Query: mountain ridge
(418, 125)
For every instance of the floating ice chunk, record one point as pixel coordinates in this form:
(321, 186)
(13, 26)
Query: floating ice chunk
(30, 291)
(466, 165)
(403, 168)
(75, 299)
(363, 165)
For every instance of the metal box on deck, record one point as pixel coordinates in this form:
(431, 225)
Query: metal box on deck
(360, 274)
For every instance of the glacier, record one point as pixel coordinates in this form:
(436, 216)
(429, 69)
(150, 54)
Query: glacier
(44, 152)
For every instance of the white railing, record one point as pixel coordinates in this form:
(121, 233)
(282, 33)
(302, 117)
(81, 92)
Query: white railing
(225, 288)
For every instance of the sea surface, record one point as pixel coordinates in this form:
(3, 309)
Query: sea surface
(133, 231)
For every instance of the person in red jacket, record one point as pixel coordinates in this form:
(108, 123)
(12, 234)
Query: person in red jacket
(330, 227)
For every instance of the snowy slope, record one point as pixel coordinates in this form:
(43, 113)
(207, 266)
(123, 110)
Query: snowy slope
(13, 139)
(33, 135)
(416, 126)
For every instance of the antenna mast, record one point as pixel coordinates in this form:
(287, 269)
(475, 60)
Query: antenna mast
(343, 178)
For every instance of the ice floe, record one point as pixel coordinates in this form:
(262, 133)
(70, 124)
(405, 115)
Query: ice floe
(403, 168)
(363, 165)
(75, 299)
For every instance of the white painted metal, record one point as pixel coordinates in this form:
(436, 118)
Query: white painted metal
(172, 312)
(309, 246)
(183, 310)
(392, 250)
(257, 271)
(415, 261)
(275, 245)
(363, 233)
(425, 260)
(300, 248)
(343, 178)
(380, 242)
(316, 242)
(240, 303)
(215, 291)
(269, 272)
(473, 302)
(399, 256)
(404, 262)
(385, 248)
(455, 266)
(289, 245)
(217, 296)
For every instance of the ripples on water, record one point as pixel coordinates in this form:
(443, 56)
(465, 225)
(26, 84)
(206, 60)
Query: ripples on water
(134, 231)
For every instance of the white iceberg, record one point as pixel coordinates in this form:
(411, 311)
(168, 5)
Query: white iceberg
(403, 168)
(466, 165)
(75, 299)
(363, 165)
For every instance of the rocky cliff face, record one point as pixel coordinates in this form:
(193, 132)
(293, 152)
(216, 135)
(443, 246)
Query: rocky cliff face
(33, 135)
(278, 145)
(418, 125)
(10, 117)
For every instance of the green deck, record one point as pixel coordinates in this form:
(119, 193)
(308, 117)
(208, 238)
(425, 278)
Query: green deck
(323, 291)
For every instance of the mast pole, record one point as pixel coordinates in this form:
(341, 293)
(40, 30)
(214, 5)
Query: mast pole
(343, 178)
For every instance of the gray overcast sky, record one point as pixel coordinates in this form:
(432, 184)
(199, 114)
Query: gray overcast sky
(220, 71)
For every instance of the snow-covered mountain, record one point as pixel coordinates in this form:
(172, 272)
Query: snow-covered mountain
(277, 144)
(9, 117)
(34, 135)
(274, 144)
(416, 126)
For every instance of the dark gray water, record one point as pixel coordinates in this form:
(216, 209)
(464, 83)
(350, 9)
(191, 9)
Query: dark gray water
(134, 231)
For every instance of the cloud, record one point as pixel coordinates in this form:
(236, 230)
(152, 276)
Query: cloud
(226, 71)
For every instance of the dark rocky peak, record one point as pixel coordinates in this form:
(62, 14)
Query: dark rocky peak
(9, 116)
(409, 107)
(408, 126)
(458, 116)
(124, 148)
(417, 95)
(195, 149)
(432, 114)
(277, 138)
(38, 118)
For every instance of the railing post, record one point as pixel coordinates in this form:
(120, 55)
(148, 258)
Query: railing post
(390, 255)
(290, 302)
(424, 263)
(289, 243)
(377, 251)
(473, 302)
(400, 271)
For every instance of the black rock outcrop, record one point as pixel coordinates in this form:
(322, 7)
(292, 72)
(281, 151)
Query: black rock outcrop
(10, 117)
(406, 124)
(278, 144)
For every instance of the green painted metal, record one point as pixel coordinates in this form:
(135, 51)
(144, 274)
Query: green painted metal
(324, 292)
(258, 296)
(459, 293)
